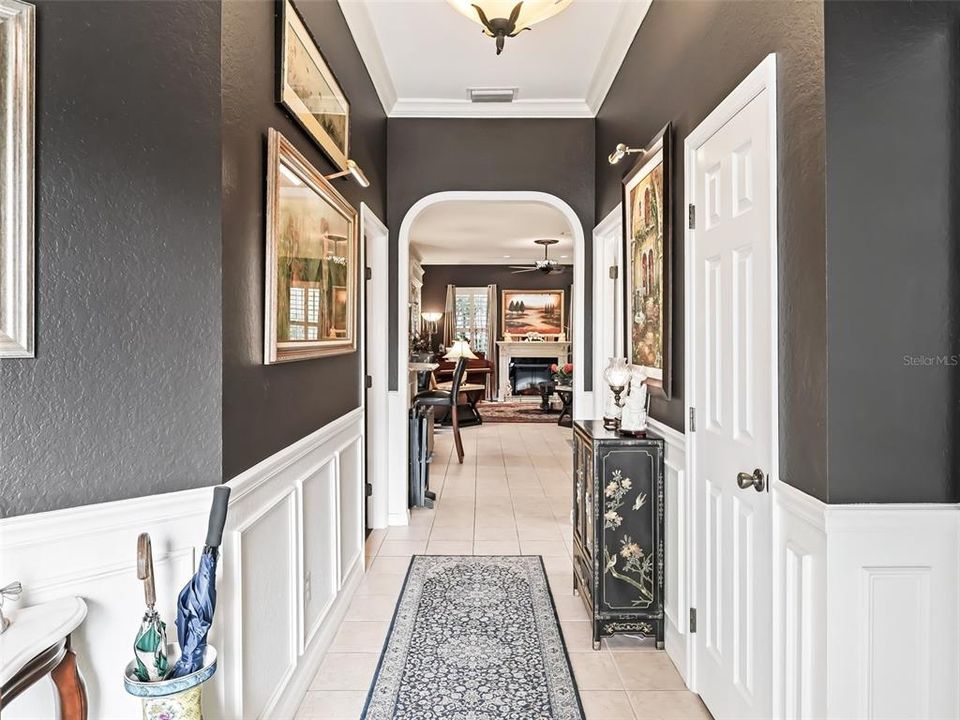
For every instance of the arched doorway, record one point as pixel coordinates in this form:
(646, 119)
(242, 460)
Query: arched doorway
(399, 399)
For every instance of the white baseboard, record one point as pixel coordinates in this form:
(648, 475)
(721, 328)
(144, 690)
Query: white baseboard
(867, 609)
(295, 513)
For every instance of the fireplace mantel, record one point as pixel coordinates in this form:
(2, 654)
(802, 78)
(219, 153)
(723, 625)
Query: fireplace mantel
(525, 348)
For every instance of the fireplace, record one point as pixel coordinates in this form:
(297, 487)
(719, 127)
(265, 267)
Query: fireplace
(526, 374)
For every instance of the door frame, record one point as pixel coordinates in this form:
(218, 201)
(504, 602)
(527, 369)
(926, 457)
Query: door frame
(376, 320)
(763, 77)
(607, 311)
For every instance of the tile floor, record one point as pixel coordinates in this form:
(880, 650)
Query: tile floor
(511, 495)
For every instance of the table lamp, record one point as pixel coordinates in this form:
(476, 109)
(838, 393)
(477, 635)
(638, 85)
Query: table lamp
(459, 349)
(617, 375)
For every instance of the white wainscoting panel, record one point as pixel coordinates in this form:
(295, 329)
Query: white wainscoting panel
(294, 534)
(866, 617)
(676, 605)
(893, 628)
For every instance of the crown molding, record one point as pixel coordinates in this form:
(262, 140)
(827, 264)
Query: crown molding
(441, 107)
(625, 30)
(364, 35)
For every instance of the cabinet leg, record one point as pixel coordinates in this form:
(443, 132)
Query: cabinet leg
(659, 644)
(596, 644)
(70, 687)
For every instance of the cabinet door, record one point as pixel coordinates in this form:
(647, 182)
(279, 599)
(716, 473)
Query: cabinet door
(629, 556)
(578, 489)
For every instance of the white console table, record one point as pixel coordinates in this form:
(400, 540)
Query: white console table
(509, 349)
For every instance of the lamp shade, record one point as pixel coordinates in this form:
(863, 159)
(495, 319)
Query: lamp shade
(431, 317)
(617, 373)
(459, 349)
(531, 11)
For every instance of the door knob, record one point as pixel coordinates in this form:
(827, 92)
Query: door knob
(755, 480)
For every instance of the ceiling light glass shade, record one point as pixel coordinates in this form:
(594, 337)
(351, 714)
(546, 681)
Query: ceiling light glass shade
(497, 18)
(459, 349)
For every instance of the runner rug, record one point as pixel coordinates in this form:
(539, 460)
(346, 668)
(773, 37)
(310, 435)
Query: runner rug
(474, 638)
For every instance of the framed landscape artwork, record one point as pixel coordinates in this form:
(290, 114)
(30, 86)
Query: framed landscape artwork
(311, 274)
(309, 90)
(647, 280)
(537, 311)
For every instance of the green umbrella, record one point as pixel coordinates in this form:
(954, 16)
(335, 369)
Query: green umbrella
(150, 647)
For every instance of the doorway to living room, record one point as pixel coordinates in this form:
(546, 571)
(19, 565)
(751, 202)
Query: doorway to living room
(493, 276)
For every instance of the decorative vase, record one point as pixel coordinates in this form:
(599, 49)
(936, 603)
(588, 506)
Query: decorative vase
(174, 699)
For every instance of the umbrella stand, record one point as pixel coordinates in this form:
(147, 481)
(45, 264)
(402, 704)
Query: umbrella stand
(174, 699)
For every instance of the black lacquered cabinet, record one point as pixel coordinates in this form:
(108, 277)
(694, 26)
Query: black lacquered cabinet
(618, 530)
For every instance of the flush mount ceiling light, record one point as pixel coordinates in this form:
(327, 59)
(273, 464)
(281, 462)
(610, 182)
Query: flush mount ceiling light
(621, 151)
(501, 19)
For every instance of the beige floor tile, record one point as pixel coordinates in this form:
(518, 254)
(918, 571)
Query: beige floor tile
(462, 532)
(556, 564)
(545, 548)
(402, 548)
(345, 671)
(577, 636)
(606, 705)
(500, 534)
(450, 547)
(389, 565)
(648, 671)
(332, 705)
(409, 532)
(496, 547)
(570, 607)
(668, 705)
(630, 643)
(371, 607)
(595, 671)
(360, 637)
(381, 584)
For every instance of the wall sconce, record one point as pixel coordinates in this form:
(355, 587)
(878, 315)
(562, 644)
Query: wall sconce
(621, 151)
(353, 170)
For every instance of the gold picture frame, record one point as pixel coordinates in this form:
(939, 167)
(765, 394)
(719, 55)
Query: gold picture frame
(310, 307)
(546, 318)
(309, 89)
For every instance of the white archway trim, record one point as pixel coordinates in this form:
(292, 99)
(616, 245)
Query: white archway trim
(400, 399)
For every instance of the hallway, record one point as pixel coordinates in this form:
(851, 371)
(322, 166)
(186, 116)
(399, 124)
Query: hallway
(512, 495)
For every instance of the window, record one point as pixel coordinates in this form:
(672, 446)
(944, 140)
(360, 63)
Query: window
(471, 318)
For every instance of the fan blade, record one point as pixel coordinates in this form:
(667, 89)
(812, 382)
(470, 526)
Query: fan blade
(517, 272)
(522, 267)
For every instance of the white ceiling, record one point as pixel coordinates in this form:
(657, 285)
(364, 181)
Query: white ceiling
(484, 232)
(423, 56)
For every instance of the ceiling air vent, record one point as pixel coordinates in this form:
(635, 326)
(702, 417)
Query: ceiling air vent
(492, 95)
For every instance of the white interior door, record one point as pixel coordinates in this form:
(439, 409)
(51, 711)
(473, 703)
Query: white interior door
(734, 308)
(607, 301)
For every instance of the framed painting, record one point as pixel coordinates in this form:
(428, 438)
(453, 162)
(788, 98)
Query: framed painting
(312, 260)
(531, 311)
(647, 227)
(309, 89)
(17, 239)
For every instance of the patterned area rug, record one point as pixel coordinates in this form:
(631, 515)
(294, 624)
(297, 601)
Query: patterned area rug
(514, 412)
(474, 638)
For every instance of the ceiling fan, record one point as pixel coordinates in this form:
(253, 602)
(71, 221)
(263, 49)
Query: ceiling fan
(546, 266)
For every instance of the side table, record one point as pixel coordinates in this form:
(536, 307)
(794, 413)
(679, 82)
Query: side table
(36, 644)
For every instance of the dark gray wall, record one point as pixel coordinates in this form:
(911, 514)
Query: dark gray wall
(123, 398)
(433, 294)
(266, 408)
(686, 58)
(893, 166)
(432, 155)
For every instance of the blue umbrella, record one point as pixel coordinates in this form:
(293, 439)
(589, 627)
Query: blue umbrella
(198, 599)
